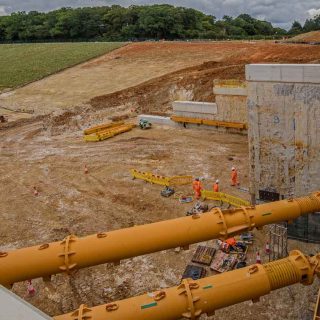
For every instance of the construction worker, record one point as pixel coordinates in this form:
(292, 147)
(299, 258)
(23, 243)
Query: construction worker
(234, 177)
(197, 187)
(216, 186)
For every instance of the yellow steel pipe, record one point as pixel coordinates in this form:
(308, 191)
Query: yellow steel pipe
(204, 296)
(75, 253)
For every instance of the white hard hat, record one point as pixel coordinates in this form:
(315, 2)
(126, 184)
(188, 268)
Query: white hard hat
(217, 181)
(233, 168)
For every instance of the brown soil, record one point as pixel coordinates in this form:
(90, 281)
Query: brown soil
(49, 153)
(313, 36)
(178, 70)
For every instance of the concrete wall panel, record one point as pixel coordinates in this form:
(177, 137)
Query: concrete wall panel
(292, 73)
(192, 106)
(284, 128)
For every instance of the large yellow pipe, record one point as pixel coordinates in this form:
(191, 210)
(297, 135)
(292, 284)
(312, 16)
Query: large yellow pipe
(75, 253)
(193, 298)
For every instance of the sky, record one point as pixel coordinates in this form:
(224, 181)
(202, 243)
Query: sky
(280, 12)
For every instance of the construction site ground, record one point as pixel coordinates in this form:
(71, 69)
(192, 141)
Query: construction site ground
(49, 153)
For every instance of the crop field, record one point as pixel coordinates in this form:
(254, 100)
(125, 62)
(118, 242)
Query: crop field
(24, 63)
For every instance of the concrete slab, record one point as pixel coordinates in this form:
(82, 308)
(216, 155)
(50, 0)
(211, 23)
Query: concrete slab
(193, 106)
(197, 115)
(230, 91)
(14, 308)
(292, 73)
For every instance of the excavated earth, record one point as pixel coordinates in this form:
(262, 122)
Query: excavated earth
(43, 147)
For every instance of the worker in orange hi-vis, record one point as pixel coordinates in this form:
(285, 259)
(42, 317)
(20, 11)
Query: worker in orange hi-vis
(234, 177)
(197, 187)
(216, 186)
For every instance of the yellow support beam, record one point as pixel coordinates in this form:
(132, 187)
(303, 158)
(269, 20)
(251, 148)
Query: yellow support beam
(161, 180)
(102, 127)
(236, 125)
(186, 120)
(108, 133)
(193, 298)
(216, 123)
(227, 198)
(231, 83)
(74, 253)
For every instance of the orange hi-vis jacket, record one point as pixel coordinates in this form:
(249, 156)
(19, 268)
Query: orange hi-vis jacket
(234, 177)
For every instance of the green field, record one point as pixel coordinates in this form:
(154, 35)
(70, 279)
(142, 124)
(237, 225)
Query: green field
(24, 63)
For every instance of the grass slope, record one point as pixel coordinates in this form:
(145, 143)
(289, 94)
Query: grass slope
(24, 63)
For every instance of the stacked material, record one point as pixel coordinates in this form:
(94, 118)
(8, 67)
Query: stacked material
(204, 255)
(106, 131)
(193, 109)
(216, 123)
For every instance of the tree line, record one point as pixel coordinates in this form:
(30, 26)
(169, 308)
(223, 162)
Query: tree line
(312, 24)
(116, 23)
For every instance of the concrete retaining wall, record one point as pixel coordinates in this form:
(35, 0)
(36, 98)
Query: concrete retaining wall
(158, 120)
(232, 108)
(193, 109)
(228, 107)
(240, 91)
(284, 128)
(166, 121)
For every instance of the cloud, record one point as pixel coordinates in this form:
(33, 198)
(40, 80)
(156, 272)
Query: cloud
(3, 11)
(314, 12)
(281, 13)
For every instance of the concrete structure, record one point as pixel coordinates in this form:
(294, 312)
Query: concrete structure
(158, 120)
(14, 308)
(232, 103)
(230, 106)
(284, 135)
(193, 109)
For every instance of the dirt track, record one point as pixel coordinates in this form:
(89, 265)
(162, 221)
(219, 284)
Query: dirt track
(50, 154)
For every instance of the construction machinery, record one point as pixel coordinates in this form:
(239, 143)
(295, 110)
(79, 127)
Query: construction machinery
(75, 253)
(193, 298)
(144, 124)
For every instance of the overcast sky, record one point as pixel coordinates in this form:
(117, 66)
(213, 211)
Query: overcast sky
(280, 12)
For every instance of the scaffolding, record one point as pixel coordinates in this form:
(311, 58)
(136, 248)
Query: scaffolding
(305, 229)
(278, 242)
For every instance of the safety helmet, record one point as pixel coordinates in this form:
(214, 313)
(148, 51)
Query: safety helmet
(233, 168)
(217, 181)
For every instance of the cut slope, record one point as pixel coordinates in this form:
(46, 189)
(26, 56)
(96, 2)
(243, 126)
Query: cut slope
(137, 63)
(313, 36)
